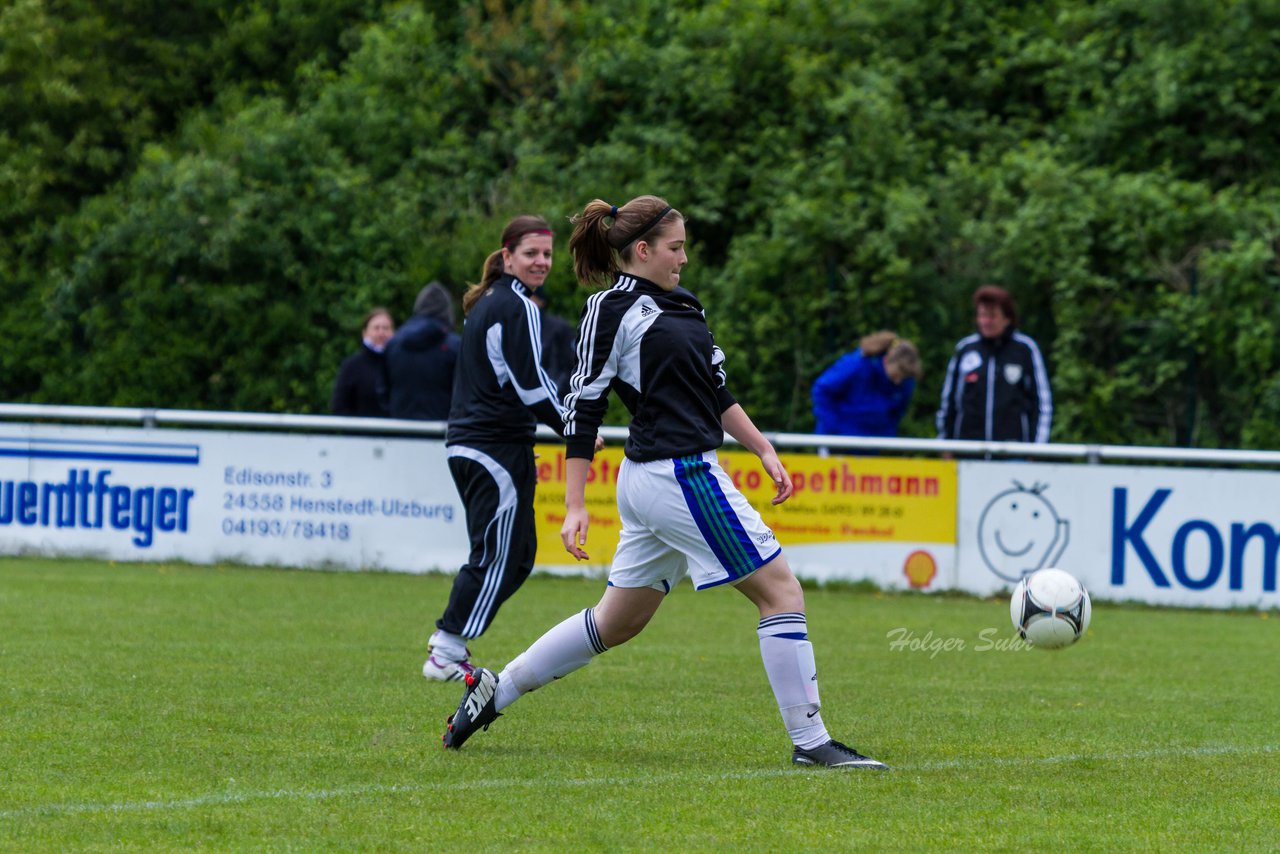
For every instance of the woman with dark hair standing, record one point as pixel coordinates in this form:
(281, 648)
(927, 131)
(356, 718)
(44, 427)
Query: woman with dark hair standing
(500, 391)
(647, 338)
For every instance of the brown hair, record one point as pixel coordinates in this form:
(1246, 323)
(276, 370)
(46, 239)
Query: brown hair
(598, 248)
(374, 312)
(877, 343)
(997, 297)
(896, 351)
(905, 355)
(515, 231)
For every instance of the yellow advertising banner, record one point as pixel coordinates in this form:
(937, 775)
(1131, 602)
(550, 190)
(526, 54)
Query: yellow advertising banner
(837, 499)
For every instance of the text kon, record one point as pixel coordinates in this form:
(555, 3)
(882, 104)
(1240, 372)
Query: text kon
(1243, 548)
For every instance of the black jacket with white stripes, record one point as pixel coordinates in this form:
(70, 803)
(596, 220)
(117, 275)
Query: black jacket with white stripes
(996, 390)
(654, 349)
(500, 390)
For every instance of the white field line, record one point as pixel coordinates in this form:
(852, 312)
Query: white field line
(456, 787)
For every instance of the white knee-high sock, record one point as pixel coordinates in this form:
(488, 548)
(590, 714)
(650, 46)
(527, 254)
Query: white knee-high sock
(788, 661)
(562, 650)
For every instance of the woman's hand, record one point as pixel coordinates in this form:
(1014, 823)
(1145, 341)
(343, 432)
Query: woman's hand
(778, 473)
(573, 533)
(739, 426)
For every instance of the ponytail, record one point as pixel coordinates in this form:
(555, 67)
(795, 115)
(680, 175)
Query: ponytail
(593, 258)
(493, 268)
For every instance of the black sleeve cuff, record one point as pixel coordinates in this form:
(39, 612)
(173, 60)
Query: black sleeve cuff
(725, 399)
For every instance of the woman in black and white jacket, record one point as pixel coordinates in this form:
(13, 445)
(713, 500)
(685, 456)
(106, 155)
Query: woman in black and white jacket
(996, 388)
(646, 338)
(500, 392)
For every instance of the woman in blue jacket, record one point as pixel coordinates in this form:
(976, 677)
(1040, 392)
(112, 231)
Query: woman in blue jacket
(866, 392)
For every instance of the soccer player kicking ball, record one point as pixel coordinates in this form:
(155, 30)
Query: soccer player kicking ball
(681, 514)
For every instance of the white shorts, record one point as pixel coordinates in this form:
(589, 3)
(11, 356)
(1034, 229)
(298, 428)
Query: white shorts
(685, 516)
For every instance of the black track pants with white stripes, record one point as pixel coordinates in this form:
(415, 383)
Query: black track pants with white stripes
(496, 484)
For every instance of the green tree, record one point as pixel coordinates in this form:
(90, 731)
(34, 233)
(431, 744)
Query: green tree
(199, 218)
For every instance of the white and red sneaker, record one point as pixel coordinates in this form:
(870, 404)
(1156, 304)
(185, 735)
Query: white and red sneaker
(440, 669)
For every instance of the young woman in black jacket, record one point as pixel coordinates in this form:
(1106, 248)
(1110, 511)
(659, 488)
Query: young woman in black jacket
(500, 392)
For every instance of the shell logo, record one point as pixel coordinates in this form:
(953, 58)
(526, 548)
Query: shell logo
(920, 569)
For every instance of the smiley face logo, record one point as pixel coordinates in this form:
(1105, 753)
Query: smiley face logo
(1020, 532)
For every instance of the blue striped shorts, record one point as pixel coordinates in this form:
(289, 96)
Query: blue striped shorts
(684, 516)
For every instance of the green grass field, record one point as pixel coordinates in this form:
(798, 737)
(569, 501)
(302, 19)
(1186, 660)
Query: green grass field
(160, 707)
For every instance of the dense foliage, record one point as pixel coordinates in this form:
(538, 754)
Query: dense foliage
(199, 201)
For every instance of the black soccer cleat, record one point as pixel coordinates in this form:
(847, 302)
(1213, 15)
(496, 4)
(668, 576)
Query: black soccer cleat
(833, 754)
(478, 708)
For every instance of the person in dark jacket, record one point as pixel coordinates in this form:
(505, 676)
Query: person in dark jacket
(997, 387)
(500, 393)
(358, 389)
(866, 392)
(422, 357)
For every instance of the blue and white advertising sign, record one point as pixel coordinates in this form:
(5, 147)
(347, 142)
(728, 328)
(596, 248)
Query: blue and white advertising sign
(1169, 536)
(1172, 536)
(204, 497)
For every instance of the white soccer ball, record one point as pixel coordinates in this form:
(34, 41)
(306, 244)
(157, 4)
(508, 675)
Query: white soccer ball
(1050, 609)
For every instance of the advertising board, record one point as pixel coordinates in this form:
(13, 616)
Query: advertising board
(1163, 535)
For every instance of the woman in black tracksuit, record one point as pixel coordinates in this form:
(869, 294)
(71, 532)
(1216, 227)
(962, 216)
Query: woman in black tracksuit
(646, 338)
(500, 391)
(996, 388)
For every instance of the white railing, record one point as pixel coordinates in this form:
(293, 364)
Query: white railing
(148, 417)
